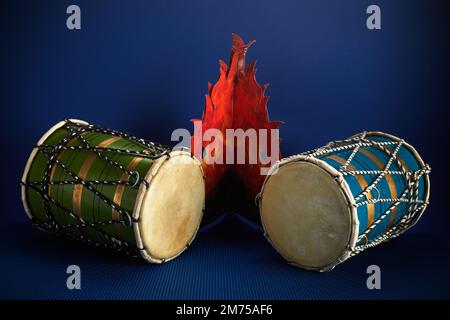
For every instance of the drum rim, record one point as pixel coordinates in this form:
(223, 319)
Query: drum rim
(145, 252)
(422, 164)
(338, 178)
(33, 154)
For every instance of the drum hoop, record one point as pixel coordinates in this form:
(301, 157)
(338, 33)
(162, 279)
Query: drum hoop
(159, 163)
(33, 154)
(339, 179)
(423, 165)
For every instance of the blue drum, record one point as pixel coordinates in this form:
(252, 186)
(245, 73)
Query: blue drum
(321, 207)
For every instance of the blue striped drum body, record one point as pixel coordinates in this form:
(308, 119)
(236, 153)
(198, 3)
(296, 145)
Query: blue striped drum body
(386, 177)
(323, 206)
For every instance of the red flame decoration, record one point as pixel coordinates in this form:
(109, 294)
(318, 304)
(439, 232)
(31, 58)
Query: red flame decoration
(236, 101)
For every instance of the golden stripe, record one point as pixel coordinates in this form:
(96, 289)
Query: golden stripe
(363, 185)
(389, 151)
(121, 187)
(389, 179)
(78, 188)
(404, 167)
(52, 173)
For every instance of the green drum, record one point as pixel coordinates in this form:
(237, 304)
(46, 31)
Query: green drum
(113, 190)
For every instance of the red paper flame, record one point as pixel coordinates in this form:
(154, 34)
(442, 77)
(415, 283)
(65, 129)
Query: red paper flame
(236, 101)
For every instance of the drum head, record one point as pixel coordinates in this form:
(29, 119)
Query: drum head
(172, 207)
(306, 214)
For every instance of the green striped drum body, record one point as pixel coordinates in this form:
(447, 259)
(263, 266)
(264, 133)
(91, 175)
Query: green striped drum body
(87, 182)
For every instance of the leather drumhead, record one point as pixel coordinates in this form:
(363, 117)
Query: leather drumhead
(172, 207)
(306, 214)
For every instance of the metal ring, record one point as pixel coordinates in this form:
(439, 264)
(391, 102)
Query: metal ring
(127, 222)
(137, 178)
(378, 194)
(258, 199)
(366, 240)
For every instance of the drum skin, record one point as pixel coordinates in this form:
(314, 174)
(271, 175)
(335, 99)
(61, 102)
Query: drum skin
(380, 180)
(88, 183)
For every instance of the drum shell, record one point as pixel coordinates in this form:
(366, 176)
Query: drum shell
(390, 186)
(113, 221)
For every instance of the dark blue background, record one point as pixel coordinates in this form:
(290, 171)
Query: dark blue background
(143, 66)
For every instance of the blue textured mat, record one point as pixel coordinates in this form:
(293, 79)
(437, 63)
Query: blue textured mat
(228, 261)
